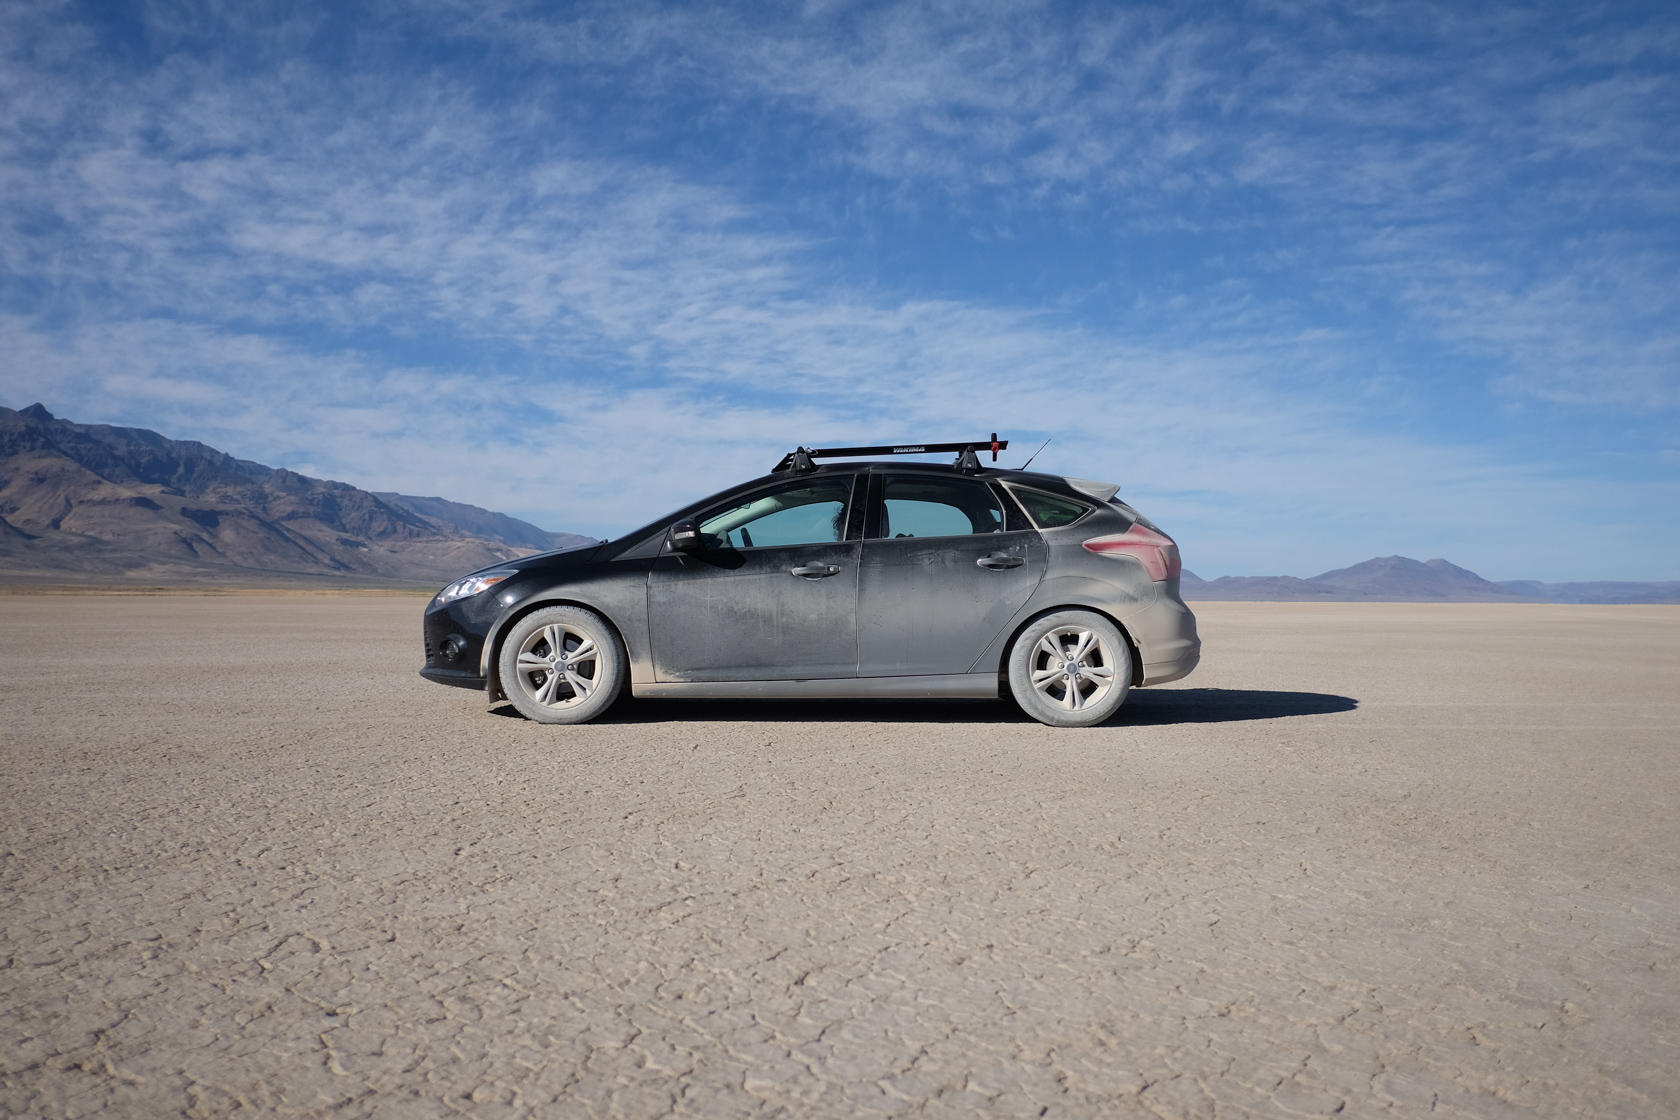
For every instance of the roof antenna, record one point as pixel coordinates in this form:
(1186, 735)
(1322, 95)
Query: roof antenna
(1034, 455)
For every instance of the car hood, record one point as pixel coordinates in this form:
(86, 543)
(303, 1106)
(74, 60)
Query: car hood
(559, 560)
(559, 557)
(555, 560)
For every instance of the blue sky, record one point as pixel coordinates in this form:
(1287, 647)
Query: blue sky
(1313, 281)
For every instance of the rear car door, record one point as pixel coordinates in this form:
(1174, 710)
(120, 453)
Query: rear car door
(771, 595)
(947, 560)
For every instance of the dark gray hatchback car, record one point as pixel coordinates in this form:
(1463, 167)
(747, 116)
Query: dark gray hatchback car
(853, 579)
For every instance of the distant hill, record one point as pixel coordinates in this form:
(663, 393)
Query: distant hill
(89, 503)
(1399, 579)
(1599, 592)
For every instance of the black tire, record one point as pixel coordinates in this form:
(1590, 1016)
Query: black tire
(569, 689)
(1101, 673)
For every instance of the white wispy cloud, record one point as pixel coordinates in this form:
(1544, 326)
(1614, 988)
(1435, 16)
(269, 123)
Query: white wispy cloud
(1472, 164)
(426, 281)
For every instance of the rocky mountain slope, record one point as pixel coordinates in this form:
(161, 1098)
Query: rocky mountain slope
(478, 522)
(91, 503)
(1399, 579)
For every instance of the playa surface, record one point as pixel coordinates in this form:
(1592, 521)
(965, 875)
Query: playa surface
(1393, 859)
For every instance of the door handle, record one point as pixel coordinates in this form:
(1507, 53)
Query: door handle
(815, 571)
(998, 561)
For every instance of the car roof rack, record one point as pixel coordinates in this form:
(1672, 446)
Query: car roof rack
(799, 460)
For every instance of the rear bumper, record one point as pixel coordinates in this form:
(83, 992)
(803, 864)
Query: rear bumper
(459, 678)
(1165, 633)
(1160, 672)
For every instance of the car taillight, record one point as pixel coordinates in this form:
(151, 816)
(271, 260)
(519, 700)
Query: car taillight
(1158, 555)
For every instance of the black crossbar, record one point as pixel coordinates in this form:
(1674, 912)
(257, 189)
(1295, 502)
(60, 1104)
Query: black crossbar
(892, 449)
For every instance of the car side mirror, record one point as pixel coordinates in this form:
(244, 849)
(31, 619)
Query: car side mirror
(685, 536)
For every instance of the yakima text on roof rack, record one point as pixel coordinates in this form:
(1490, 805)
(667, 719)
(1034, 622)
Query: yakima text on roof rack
(799, 460)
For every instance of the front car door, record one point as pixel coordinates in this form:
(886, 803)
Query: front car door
(947, 560)
(771, 595)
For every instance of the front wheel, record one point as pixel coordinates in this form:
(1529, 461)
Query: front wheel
(1070, 669)
(562, 665)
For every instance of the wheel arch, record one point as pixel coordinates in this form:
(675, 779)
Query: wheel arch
(490, 659)
(1132, 646)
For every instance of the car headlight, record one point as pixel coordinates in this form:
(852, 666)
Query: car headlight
(473, 585)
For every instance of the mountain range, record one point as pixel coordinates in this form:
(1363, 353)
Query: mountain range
(1400, 579)
(92, 503)
(95, 504)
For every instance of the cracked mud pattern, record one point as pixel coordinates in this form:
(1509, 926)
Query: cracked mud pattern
(1395, 860)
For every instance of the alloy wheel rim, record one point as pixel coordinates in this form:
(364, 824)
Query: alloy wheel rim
(559, 666)
(1072, 668)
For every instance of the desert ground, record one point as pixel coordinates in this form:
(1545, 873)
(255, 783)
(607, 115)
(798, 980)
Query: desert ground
(1369, 860)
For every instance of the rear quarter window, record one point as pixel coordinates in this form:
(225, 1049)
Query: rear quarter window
(1050, 511)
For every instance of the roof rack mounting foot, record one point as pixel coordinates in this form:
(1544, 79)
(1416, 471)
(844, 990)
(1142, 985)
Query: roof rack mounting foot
(967, 461)
(801, 461)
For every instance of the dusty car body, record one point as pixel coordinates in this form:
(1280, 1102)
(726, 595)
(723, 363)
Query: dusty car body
(845, 580)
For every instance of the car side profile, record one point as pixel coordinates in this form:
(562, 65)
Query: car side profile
(855, 579)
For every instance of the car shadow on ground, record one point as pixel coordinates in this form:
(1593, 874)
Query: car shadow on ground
(1143, 708)
(1150, 706)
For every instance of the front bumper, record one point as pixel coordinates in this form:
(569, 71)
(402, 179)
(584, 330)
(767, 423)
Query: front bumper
(459, 678)
(453, 642)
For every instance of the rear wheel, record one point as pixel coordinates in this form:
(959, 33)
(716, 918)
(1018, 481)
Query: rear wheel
(562, 665)
(1070, 669)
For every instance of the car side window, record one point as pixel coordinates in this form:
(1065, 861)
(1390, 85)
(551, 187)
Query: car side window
(1015, 519)
(811, 511)
(920, 506)
(1050, 512)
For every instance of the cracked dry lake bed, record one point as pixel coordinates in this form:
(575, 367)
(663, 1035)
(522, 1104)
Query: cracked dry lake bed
(1369, 859)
